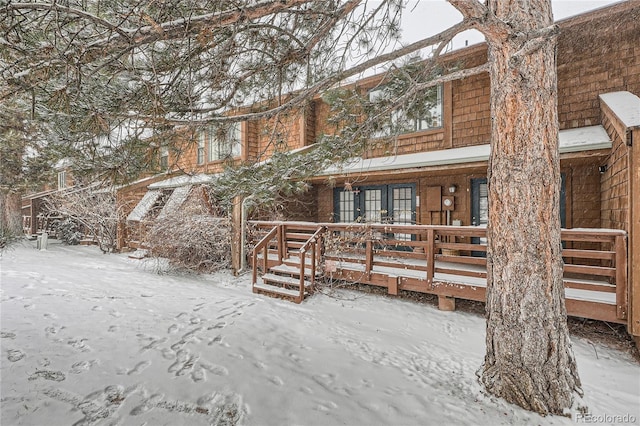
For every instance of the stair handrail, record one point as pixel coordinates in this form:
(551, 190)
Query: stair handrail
(262, 245)
(312, 243)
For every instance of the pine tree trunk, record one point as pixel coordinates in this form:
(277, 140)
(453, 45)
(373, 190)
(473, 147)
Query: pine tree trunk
(10, 216)
(529, 360)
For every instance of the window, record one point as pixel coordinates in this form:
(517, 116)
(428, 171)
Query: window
(164, 157)
(225, 142)
(423, 114)
(201, 143)
(344, 207)
(62, 180)
(377, 204)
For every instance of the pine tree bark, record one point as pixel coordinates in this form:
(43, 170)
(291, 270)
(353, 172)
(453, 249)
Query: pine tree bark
(529, 360)
(10, 216)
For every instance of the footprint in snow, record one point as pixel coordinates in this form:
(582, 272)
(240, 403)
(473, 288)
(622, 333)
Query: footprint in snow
(168, 353)
(173, 328)
(326, 406)
(139, 367)
(15, 355)
(148, 404)
(82, 366)
(153, 344)
(7, 335)
(53, 330)
(217, 370)
(181, 315)
(56, 376)
(113, 328)
(221, 324)
(198, 374)
(276, 380)
(79, 345)
(216, 339)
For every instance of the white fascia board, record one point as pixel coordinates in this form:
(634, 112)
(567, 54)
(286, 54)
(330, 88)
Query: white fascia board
(184, 180)
(571, 140)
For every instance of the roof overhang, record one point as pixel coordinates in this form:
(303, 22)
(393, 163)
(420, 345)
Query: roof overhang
(184, 180)
(584, 139)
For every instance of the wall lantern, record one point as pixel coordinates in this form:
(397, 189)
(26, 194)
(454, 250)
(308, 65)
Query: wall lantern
(452, 189)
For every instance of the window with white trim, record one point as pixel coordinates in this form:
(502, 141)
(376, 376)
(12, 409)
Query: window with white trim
(62, 179)
(164, 157)
(424, 114)
(225, 141)
(201, 144)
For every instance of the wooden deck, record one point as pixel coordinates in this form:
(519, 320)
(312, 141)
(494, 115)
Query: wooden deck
(446, 261)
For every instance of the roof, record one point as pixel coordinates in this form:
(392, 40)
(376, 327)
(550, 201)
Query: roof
(183, 180)
(625, 105)
(572, 140)
(146, 203)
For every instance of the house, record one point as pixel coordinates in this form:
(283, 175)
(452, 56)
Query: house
(428, 191)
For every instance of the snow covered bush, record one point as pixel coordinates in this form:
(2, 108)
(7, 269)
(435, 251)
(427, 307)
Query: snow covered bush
(68, 232)
(193, 242)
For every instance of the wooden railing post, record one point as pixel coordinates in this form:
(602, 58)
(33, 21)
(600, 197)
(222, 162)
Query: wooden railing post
(621, 276)
(368, 257)
(313, 263)
(282, 241)
(430, 256)
(302, 268)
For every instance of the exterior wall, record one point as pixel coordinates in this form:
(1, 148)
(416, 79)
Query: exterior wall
(583, 196)
(633, 242)
(597, 53)
(126, 199)
(284, 132)
(471, 116)
(615, 180)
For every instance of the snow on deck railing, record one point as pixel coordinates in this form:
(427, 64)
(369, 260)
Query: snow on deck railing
(595, 259)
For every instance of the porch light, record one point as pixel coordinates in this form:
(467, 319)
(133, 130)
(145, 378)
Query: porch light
(452, 189)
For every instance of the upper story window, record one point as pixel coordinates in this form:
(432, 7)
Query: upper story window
(225, 141)
(164, 157)
(422, 113)
(62, 180)
(201, 144)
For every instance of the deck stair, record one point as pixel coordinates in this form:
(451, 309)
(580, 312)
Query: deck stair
(287, 259)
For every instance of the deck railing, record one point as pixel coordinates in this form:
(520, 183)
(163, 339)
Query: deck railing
(450, 260)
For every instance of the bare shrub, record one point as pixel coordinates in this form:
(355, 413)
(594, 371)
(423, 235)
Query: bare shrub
(93, 209)
(193, 242)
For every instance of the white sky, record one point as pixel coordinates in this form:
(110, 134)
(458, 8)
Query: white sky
(422, 18)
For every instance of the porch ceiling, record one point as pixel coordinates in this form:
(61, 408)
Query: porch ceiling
(584, 139)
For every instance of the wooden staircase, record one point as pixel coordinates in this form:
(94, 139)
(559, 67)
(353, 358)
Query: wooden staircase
(285, 261)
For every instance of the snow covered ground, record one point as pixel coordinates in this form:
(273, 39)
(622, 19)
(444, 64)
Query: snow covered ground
(91, 339)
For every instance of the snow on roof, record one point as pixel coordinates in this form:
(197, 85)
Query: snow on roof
(183, 180)
(625, 105)
(571, 140)
(583, 139)
(177, 198)
(143, 207)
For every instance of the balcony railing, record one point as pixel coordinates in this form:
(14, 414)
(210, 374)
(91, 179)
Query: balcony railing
(450, 261)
